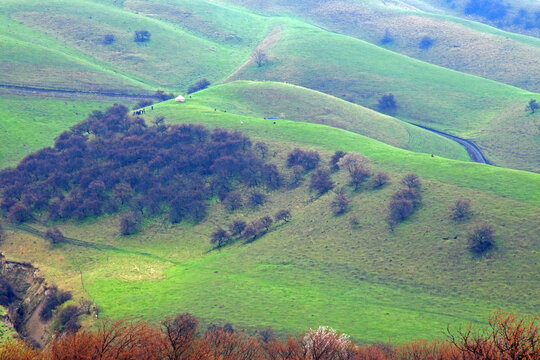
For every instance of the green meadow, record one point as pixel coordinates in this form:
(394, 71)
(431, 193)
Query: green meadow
(31, 122)
(371, 282)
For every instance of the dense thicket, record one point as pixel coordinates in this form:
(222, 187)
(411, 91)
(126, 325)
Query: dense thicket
(112, 160)
(506, 337)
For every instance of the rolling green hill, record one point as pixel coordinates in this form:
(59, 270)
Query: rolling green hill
(31, 122)
(272, 99)
(216, 41)
(178, 53)
(372, 283)
(400, 26)
(490, 113)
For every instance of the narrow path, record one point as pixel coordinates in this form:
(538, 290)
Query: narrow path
(17, 89)
(474, 152)
(266, 44)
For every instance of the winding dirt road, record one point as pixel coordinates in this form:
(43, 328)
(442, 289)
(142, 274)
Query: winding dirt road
(474, 152)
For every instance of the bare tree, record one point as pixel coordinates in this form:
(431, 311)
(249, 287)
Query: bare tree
(259, 57)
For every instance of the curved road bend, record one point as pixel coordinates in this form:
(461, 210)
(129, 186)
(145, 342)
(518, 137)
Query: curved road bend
(473, 150)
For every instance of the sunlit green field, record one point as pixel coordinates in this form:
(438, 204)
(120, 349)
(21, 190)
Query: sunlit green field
(372, 283)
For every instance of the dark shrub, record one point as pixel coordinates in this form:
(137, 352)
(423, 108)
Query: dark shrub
(162, 95)
(411, 181)
(256, 199)
(387, 38)
(129, 224)
(236, 227)
(309, 160)
(219, 237)
(335, 160)
(19, 213)
(400, 209)
(266, 222)
(54, 235)
(250, 232)
(261, 148)
(267, 335)
(283, 215)
(68, 319)
(408, 194)
(297, 176)
(461, 209)
(387, 103)
(379, 180)
(53, 299)
(481, 239)
(426, 43)
(142, 36)
(142, 104)
(339, 204)
(354, 222)
(199, 85)
(321, 181)
(233, 201)
(108, 39)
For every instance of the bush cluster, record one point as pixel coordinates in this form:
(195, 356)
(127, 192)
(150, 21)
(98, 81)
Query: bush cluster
(112, 160)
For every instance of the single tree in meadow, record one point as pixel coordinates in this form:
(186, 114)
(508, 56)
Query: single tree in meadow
(259, 57)
(481, 239)
(461, 209)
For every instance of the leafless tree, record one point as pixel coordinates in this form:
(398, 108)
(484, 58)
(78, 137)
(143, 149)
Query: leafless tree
(259, 57)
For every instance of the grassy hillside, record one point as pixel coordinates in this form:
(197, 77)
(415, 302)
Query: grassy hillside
(490, 113)
(372, 283)
(216, 41)
(400, 26)
(30, 123)
(271, 99)
(184, 46)
(30, 58)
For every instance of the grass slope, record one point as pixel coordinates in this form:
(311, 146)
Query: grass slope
(183, 48)
(458, 44)
(490, 113)
(372, 283)
(33, 59)
(272, 99)
(30, 123)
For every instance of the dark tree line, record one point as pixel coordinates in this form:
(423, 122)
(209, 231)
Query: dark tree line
(112, 160)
